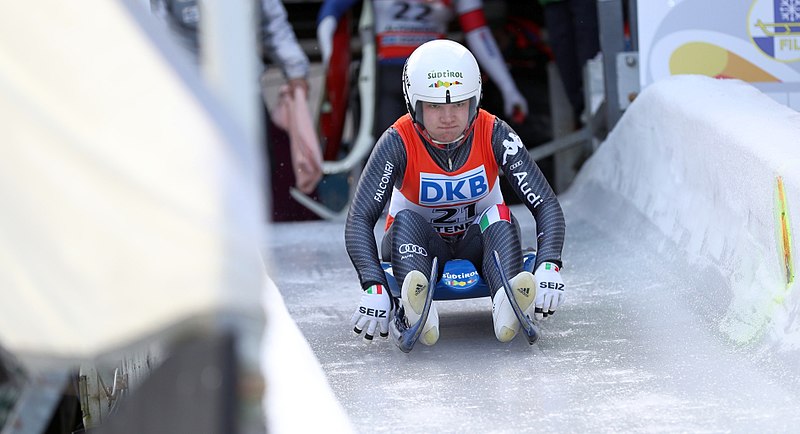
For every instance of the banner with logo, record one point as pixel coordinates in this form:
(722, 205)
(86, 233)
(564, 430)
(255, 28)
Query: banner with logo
(757, 41)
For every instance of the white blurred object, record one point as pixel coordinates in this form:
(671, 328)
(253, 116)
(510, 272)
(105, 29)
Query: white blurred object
(131, 199)
(325, 31)
(127, 203)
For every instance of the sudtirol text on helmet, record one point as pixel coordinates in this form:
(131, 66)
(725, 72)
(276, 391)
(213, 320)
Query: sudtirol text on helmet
(441, 72)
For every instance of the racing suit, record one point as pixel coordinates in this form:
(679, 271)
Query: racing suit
(440, 200)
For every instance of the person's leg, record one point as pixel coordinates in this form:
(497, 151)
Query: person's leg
(500, 233)
(389, 101)
(280, 176)
(587, 36)
(561, 37)
(501, 236)
(414, 245)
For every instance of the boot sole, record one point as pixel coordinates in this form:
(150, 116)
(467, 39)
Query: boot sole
(413, 295)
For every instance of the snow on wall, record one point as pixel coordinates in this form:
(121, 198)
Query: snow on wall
(295, 380)
(705, 161)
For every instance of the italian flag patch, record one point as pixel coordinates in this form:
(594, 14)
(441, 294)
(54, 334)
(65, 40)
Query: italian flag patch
(375, 289)
(549, 266)
(494, 214)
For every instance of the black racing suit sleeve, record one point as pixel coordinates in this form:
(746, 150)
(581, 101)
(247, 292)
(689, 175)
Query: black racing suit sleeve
(385, 167)
(532, 188)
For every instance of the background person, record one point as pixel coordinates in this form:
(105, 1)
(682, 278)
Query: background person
(572, 29)
(279, 44)
(403, 25)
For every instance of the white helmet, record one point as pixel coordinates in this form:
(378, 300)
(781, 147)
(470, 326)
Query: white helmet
(441, 72)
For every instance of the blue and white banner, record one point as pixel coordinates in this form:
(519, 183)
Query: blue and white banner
(757, 41)
(775, 28)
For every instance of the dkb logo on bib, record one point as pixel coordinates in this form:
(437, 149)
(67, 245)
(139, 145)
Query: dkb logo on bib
(440, 189)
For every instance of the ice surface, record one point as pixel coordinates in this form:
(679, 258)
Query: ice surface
(624, 353)
(653, 267)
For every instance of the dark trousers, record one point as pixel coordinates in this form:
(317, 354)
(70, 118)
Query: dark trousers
(280, 176)
(389, 100)
(573, 34)
(410, 228)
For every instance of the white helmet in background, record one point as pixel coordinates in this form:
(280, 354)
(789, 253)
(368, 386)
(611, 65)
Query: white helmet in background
(441, 72)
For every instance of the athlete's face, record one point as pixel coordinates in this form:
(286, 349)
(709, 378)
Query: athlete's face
(445, 122)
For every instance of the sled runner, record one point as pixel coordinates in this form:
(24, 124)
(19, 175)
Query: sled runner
(406, 335)
(530, 327)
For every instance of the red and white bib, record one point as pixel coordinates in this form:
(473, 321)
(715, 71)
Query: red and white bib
(403, 25)
(451, 201)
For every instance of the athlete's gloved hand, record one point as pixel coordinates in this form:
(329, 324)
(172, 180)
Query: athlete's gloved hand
(514, 105)
(373, 312)
(549, 289)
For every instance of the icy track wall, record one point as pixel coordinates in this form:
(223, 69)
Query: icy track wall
(714, 166)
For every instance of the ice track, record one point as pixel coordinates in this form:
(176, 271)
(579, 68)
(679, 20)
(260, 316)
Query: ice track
(638, 346)
(622, 355)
